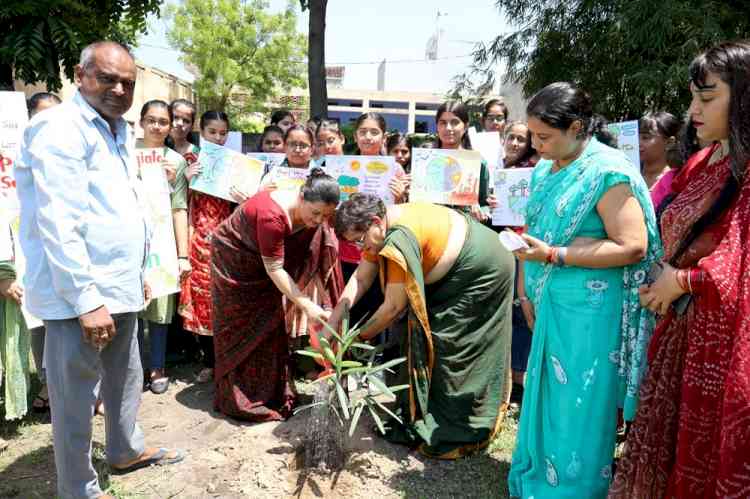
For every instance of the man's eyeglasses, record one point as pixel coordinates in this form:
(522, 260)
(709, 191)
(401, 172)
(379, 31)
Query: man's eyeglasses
(360, 241)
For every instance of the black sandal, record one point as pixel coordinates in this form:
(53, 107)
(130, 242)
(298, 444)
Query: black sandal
(40, 405)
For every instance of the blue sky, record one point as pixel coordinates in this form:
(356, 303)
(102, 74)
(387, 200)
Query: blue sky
(360, 34)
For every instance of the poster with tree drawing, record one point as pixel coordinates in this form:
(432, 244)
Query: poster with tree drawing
(512, 193)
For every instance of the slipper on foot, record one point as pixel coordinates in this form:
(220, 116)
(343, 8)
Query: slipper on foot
(159, 386)
(158, 459)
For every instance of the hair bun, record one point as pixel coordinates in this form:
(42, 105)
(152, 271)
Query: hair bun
(317, 172)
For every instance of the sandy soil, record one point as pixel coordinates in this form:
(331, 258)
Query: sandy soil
(228, 459)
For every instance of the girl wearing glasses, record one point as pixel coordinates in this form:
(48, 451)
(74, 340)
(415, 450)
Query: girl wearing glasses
(495, 116)
(156, 121)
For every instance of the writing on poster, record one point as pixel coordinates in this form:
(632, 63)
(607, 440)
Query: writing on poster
(368, 174)
(223, 168)
(13, 120)
(627, 139)
(512, 193)
(288, 178)
(445, 176)
(162, 269)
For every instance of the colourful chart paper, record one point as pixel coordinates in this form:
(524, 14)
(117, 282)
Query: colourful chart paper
(287, 178)
(13, 120)
(223, 168)
(445, 176)
(369, 174)
(627, 140)
(162, 269)
(512, 193)
(270, 159)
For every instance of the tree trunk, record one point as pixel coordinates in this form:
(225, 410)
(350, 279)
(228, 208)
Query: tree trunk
(316, 60)
(6, 77)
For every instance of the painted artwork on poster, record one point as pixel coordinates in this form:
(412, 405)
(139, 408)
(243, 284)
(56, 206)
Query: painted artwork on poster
(370, 174)
(512, 193)
(627, 140)
(162, 269)
(288, 178)
(270, 159)
(223, 168)
(445, 176)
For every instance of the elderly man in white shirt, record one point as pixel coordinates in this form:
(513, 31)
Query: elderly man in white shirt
(85, 240)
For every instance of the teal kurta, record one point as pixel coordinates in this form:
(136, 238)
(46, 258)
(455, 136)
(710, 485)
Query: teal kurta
(590, 335)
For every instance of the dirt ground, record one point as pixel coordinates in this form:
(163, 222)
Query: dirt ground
(229, 459)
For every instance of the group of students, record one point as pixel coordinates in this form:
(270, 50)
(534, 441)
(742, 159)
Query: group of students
(633, 281)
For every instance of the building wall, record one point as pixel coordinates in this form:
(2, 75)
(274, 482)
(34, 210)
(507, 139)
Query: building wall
(151, 83)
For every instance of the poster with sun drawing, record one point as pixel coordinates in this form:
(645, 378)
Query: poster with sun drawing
(512, 193)
(162, 270)
(445, 176)
(370, 174)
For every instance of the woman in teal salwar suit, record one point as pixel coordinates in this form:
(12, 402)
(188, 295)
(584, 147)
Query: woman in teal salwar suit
(592, 238)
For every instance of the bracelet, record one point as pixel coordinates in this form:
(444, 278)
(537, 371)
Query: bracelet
(690, 285)
(551, 255)
(562, 254)
(183, 258)
(523, 298)
(681, 277)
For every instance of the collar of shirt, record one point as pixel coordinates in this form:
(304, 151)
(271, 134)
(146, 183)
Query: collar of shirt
(93, 115)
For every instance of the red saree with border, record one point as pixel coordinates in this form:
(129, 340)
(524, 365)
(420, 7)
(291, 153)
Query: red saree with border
(253, 371)
(691, 435)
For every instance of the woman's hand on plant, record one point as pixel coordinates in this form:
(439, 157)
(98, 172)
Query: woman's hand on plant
(538, 250)
(658, 296)
(316, 313)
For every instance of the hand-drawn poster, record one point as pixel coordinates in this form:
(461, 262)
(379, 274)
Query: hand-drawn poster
(512, 193)
(370, 174)
(445, 176)
(270, 159)
(627, 140)
(288, 178)
(223, 168)
(489, 146)
(13, 120)
(162, 269)
(234, 141)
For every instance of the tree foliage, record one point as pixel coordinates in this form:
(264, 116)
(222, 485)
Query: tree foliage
(243, 54)
(632, 55)
(41, 39)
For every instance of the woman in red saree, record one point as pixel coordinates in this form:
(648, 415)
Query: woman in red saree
(691, 436)
(270, 247)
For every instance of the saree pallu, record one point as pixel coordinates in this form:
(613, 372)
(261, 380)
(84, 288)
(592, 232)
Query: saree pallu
(691, 437)
(253, 372)
(589, 338)
(457, 341)
(206, 213)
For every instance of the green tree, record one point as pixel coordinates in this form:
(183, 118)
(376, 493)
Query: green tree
(244, 55)
(41, 39)
(316, 63)
(632, 55)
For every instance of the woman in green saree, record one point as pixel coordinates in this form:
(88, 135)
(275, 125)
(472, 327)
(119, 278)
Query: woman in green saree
(592, 238)
(456, 281)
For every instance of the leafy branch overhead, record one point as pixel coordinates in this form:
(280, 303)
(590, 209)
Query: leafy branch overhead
(632, 55)
(42, 39)
(242, 53)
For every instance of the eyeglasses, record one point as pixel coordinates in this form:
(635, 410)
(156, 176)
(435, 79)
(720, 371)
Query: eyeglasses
(497, 118)
(360, 242)
(302, 146)
(154, 122)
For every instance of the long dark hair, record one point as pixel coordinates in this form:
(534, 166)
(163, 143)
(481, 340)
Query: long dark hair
(213, 116)
(269, 129)
(320, 188)
(169, 142)
(561, 103)
(377, 117)
(297, 127)
(492, 103)
(395, 139)
(668, 126)
(460, 110)
(156, 103)
(730, 61)
(280, 114)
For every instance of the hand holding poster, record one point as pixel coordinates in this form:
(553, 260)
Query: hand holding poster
(445, 176)
(512, 193)
(627, 140)
(370, 174)
(162, 269)
(223, 168)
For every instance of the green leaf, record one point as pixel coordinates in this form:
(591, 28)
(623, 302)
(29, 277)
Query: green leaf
(386, 410)
(308, 406)
(388, 365)
(355, 370)
(377, 419)
(331, 330)
(380, 386)
(309, 353)
(355, 418)
(350, 363)
(362, 346)
(343, 400)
